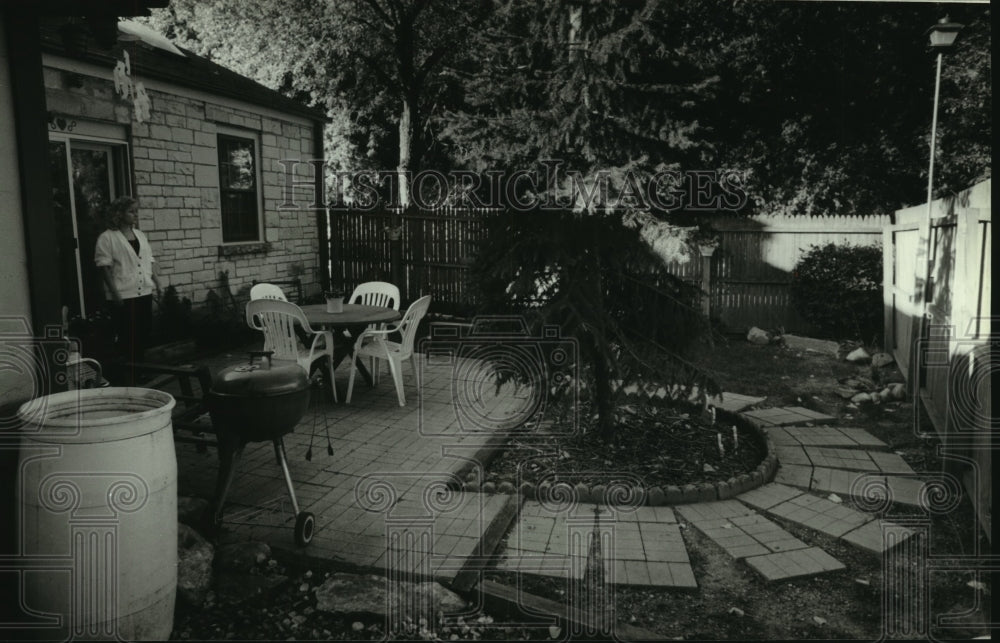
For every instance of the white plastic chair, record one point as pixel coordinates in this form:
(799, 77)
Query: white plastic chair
(267, 291)
(374, 343)
(376, 293)
(276, 319)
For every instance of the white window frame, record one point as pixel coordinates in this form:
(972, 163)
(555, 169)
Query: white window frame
(253, 136)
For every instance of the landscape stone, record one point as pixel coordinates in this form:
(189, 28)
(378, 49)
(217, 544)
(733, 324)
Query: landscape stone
(858, 356)
(880, 360)
(194, 566)
(353, 594)
(674, 495)
(344, 593)
(656, 497)
(861, 398)
(241, 557)
(758, 336)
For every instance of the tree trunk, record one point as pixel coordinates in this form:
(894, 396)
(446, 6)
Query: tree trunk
(409, 151)
(602, 381)
(405, 150)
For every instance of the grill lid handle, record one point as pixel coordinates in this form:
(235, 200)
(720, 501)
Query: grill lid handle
(261, 354)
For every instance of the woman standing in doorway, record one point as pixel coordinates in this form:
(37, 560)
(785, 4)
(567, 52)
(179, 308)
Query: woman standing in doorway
(126, 263)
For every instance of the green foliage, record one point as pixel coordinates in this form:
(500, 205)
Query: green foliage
(600, 283)
(222, 323)
(839, 290)
(825, 105)
(601, 86)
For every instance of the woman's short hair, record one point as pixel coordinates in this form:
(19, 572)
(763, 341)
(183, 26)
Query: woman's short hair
(117, 211)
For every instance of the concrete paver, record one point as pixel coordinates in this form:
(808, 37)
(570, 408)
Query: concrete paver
(795, 475)
(734, 402)
(792, 564)
(820, 514)
(823, 436)
(786, 416)
(746, 536)
(702, 511)
(870, 536)
(902, 490)
(840, 458)
(641, 546)
(769, 495)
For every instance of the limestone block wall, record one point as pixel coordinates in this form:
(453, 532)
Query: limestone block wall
(175, 176)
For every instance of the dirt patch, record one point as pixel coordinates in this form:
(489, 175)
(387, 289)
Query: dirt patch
(656, 443)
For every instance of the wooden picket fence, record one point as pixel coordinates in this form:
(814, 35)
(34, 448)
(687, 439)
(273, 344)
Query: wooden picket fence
(435, 250)
(747, 282)
(937, 292)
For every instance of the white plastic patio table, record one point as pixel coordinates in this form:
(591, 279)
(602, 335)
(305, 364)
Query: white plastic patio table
(355, 318)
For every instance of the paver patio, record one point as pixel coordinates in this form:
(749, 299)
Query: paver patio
(387, 480)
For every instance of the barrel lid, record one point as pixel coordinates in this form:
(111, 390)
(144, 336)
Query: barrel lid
(260, 380)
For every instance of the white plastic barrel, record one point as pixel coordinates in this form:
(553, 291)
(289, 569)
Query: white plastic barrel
(97, 496)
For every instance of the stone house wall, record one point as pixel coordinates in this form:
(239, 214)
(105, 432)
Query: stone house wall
(175, 176)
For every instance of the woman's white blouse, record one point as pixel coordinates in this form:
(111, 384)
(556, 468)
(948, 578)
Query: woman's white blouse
(132, 275)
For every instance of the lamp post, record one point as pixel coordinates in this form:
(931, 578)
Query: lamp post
(942, 37)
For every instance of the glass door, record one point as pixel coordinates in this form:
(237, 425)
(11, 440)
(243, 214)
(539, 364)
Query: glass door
(86, 176)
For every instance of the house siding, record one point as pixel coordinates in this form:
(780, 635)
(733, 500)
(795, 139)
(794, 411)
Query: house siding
(176, 179)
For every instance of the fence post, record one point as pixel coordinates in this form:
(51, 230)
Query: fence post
(706, 278)
(889, 290)
(417, 241)
(396, 258)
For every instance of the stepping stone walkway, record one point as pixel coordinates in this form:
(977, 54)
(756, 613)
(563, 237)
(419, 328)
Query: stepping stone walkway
(644, 546)
(786, 416)
(838, 458)
(827, 436)
(770, 550)
(821, 514)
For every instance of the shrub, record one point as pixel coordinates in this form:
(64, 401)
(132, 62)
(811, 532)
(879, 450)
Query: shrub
(602, 285)
(174, 319)
(838, 289)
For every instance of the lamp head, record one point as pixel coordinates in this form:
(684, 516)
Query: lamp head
(943, 34)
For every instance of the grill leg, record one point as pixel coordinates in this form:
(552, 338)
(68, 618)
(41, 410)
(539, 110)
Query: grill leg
(229, 459)
(279, 451)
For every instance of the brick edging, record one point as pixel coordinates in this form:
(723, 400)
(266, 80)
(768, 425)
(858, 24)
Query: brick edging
(672, 494)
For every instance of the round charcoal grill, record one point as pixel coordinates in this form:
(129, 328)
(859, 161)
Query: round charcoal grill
(257, 403)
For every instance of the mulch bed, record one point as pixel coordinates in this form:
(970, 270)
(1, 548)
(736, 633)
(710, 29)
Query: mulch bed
(656, 442)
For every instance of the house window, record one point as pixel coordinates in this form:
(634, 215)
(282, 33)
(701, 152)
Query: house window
(238, 186)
